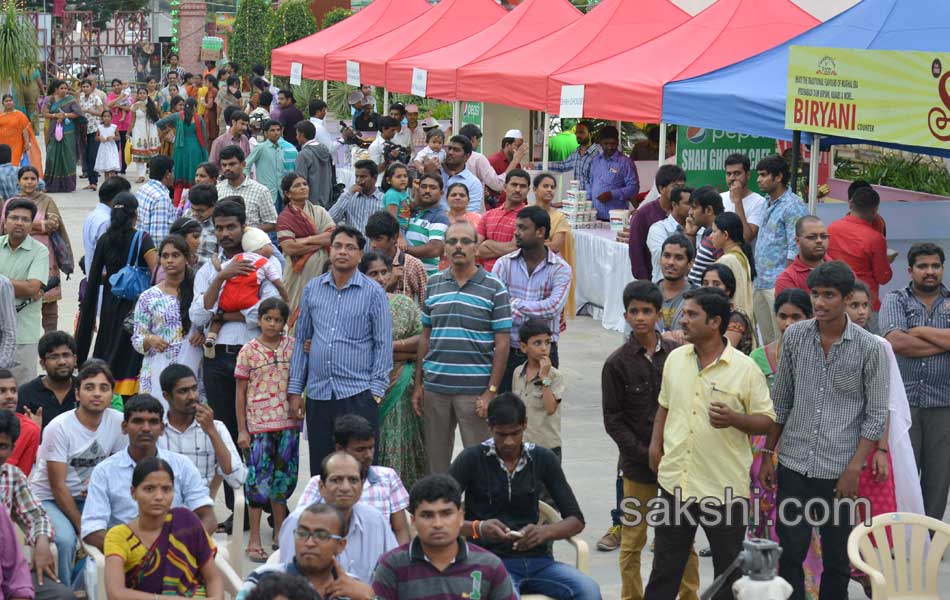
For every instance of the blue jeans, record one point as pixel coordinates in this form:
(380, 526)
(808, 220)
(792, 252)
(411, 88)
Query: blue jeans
(65, 538)
(544, 575)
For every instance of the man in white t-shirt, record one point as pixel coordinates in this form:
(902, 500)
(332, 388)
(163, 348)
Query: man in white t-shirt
(74, 443)
(749, 206)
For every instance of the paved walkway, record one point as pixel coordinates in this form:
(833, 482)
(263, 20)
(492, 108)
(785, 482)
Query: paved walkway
(590, 455)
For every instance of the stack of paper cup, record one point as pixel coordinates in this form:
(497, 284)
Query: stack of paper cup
(617, 219)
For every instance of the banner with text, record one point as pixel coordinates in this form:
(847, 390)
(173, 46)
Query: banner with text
(702, 154)
(882, 95)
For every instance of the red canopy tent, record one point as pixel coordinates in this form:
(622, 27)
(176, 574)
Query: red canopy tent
(443, 24)
(374, 20)
(629, 85)
(520, 77)
(530, 21)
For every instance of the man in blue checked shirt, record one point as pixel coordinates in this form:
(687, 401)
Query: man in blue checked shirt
(613, 176)
(345, 316)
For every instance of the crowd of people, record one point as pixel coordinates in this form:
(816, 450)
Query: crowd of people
(239, 309)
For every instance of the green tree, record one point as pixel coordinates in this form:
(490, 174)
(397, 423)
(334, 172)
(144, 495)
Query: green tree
(292, 21)
(334, 16)
(248, 42)
(19, 49)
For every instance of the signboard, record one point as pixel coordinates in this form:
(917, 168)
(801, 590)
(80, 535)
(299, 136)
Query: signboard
(702, 154)
(855, 93)
(472, 112)
(419, 79)
(296, 73)
(352, 73)
(572, 102)
(117, 67)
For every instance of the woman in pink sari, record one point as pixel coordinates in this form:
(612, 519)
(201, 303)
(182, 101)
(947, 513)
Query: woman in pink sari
(303, 232)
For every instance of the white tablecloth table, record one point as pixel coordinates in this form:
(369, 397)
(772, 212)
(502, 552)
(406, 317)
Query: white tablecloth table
(602, 271)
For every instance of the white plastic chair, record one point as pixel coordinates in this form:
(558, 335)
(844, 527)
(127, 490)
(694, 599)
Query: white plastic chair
(233, 550)
(582, 561)
(907, 571)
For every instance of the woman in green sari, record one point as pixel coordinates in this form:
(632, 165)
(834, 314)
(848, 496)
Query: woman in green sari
(60, 112)
(401, 442)
(191, 143)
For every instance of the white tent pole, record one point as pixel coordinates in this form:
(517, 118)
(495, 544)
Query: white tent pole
(385, 101)
(813, 172)
(326, 87)
(456, 116)
(545, 140)
(662, 156)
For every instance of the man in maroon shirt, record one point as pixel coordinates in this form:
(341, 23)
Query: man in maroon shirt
(812, 240)
(855, 241)
(513, 150)
(668, 177)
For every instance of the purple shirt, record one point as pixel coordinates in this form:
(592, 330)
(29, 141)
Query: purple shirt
(640, 262)
(617, 175)
(15, 579)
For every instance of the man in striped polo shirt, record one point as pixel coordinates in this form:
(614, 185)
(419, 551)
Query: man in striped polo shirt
(466, 325)
(439, 564)
(427, 224)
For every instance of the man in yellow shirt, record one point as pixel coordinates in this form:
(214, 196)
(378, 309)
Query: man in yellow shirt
(712, 399)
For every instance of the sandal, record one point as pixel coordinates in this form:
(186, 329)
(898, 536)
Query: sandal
(256, 555)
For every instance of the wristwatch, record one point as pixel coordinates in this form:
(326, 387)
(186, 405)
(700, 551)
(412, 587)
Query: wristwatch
(493, 389)
(378, 399)
(546, 382)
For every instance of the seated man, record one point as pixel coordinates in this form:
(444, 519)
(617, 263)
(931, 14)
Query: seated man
(502, 479)
(73, 443)
(368, 535)
(318, 541)
(23, 453)
(382, 488)
(108, 502)
(17, 500)
(50, 395)
(439, 563)
(192, 431)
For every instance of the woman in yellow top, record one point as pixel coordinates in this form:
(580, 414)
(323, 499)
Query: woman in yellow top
(164, 551)
(737, 255)
(560, 238)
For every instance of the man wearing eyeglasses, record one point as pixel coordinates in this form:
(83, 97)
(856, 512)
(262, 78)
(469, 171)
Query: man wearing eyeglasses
(463, 350)
(319, 542)
(812, 239)
(25, 262)
(367, 532)
(346, 316)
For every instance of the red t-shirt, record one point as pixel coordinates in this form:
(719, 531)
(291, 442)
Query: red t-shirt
(24, 451)
(864, 249)
(499, 162)
(497, 224)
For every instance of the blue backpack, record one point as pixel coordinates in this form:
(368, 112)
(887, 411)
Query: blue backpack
(132, 279)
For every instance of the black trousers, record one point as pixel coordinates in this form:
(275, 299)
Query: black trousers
(794, 490)
(220, 387)
(123, 135)
(674, 541)
(89, 158)
(516, 358)
(321, 415)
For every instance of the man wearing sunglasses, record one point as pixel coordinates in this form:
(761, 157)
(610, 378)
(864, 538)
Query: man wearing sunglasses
(318, 541)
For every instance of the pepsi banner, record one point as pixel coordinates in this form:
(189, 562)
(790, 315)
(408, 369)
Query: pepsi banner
(702, 154)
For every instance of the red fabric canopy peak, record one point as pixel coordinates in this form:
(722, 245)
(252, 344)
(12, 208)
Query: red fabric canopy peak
(629, 85)
(530, 21)
(376, 19)
(519, 77)
(444, 24)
